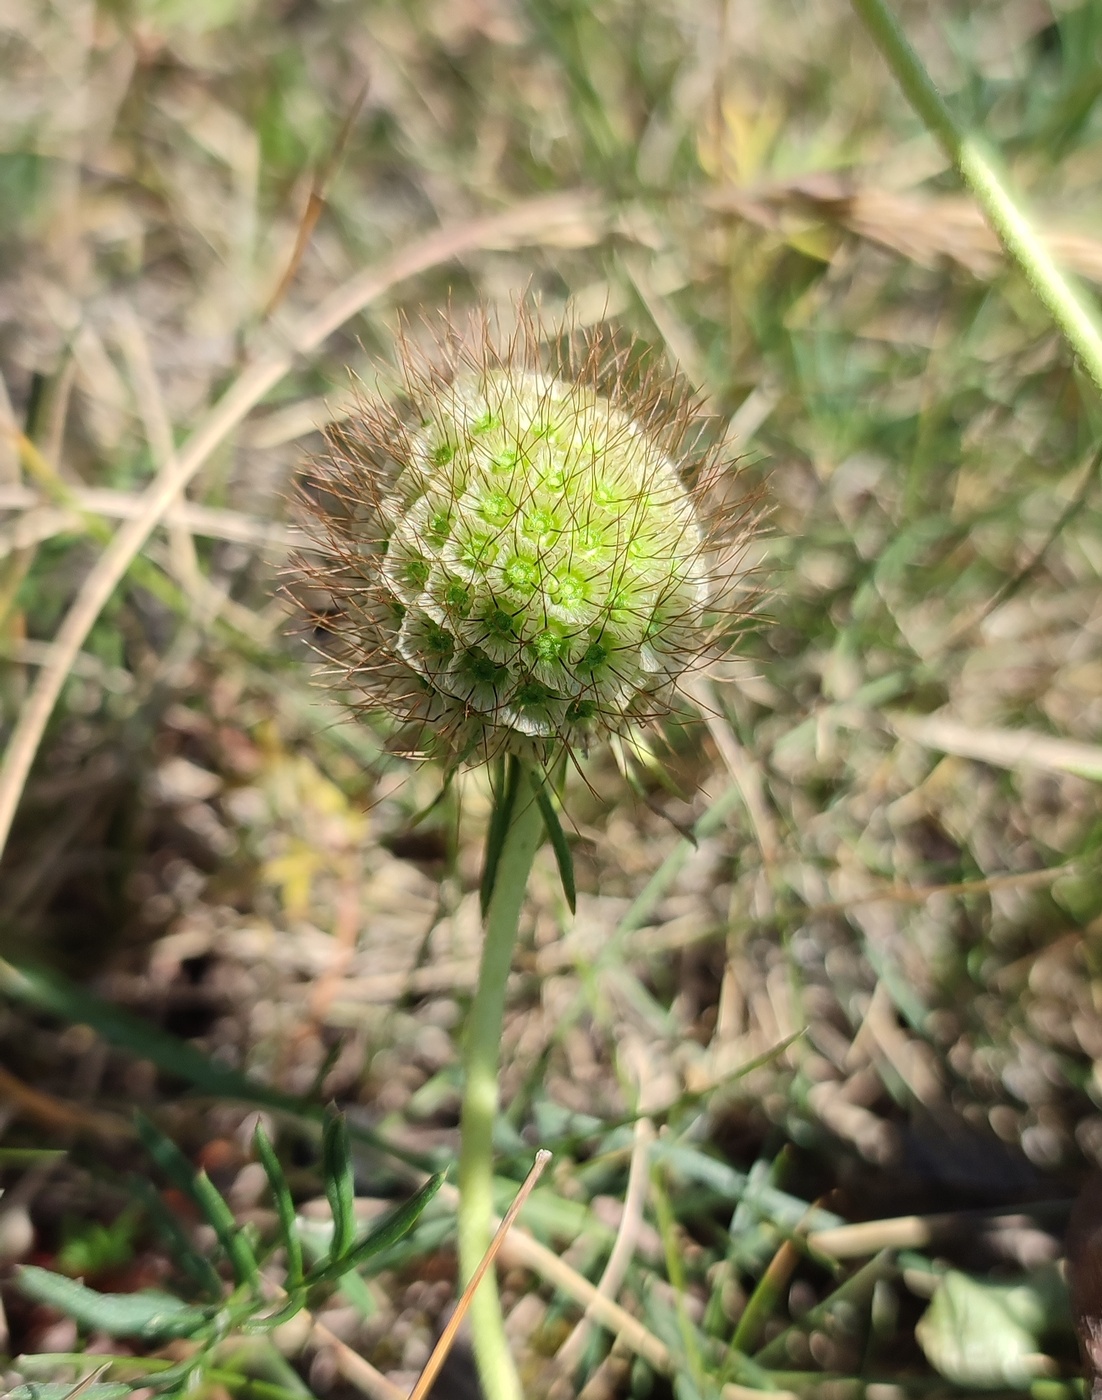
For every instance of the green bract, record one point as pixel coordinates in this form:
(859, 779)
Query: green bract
(515, 553)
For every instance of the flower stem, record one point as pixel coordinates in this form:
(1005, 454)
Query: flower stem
(1066, 302)
(519, 813)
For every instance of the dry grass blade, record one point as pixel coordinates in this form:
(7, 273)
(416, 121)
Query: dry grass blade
(297, 420)
(9, 433)
(1003, 748)
(158, 432)
(57, 1116)
(88, 1381)
(447, 1337)
(868, 1237)
(623, 1246)
(744, 770)
(535, 220)
(208, 521)
(316, 201)
(526, 1251)
(922, 229)
(522, 1249)
(355, 1369)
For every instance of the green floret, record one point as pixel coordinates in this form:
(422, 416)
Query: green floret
(565, 524)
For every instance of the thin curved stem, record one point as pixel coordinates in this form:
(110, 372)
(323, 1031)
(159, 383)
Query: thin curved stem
(526, 222)
(523, 832)
(1068, 305)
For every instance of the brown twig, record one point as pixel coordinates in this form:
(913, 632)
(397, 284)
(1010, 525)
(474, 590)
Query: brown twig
(315, 201)
(57, 1115)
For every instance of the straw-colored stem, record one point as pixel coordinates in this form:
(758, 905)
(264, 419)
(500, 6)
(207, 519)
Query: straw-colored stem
(1066, 302)
(481, 1057)
(529, 221)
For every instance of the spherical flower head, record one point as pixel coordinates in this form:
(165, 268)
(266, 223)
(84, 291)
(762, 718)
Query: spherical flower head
(516, 550)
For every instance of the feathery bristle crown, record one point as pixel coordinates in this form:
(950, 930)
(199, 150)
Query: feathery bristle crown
(518, 557)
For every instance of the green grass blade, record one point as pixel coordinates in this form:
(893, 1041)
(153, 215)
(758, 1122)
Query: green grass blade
(505, 796)
(340, 1185)
(284, 1205)
(166, 1154)
(168, 1226)
(243, 1260)
(389, 1231)
(563, 856)
(202, 1191)
(49, 992)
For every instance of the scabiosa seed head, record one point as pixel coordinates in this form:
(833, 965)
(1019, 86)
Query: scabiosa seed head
(516, 548)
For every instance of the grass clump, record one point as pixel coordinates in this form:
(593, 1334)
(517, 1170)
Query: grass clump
(832, 964)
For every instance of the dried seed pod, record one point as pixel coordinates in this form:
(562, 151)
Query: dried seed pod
(515, 547)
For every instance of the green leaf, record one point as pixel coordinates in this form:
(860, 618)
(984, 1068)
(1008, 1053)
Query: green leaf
(340, 1184)
(166, 1154)
(150, 1315)
(53, 994)
(388, 1231)
(431, 806)
(234, 1240)
(563, 856)
(167, 1224)
(505, 797)
(270, 1321)
(844, 1313)
(202, 1191)
(988, 1335)
(285, 1206)
(49, 991)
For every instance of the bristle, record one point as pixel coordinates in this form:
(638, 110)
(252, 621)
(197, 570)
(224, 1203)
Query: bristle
(524, 551)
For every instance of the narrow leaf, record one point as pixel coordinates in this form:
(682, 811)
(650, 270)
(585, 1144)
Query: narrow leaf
(231, 1237)
(168, 1226)
(844, 1313)
(202, 1191)
(167, 1155)
(431, 806)
(150, 1315)
(268, 1323)
(53, 994)
(340, 1185)
(505, 796)
(563, 856)
(284, 1205)
(388, 1231)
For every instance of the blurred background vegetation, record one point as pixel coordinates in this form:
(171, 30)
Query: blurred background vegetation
(863, 983)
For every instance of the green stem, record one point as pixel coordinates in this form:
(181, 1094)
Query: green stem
(1068, 305)
(482, 1051)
